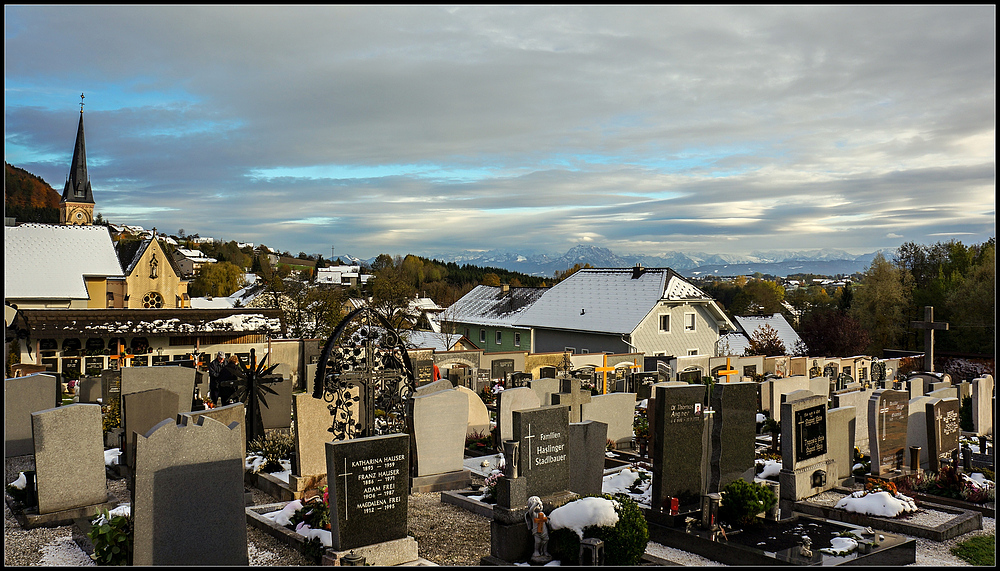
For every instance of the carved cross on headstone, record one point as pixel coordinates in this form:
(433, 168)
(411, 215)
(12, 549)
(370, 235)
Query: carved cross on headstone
(929, 325)
(571, 394)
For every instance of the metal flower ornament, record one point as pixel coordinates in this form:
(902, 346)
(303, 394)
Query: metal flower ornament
(252, 386)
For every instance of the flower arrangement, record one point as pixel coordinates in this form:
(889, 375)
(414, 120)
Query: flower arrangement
(950, 483)
(315, 512)
(640, 425)
(490, 391)
(490, 485)
(479, 441)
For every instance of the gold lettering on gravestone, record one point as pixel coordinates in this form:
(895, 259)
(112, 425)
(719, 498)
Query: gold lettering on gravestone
(811, 432)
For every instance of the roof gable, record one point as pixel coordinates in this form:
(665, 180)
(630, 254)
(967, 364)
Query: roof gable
(46, 261)
(751, 323)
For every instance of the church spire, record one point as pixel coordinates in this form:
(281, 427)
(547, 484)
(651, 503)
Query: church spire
(77, 187)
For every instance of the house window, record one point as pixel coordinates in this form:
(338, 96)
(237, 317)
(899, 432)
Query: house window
(584, 351)
(517, 339)
(688, 322)
(692, 351)
(665, 323)
(499, 337)
(569, 349)
(482, 336)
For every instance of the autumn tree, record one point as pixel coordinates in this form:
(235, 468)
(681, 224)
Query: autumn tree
(759, 297)
(391, 293)
(833, 332)
(880, 304)
(765, 341)
(972, 305)
(490, 279)
(218, 280)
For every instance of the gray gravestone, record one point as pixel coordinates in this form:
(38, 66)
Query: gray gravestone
(369, 485)
(430, 388)
(982, 405)
(587, 444)
(943, 430)
(509, 401)
(277, 412)
(543, 434)
(617, 410)
(89, 389)
(805, 466)
(916, 427)
(227, 415)
(570, 394)
(841, 425)
(111, 386)
(888, 413)
(858, 400)
(21, 397)
(680, 445)
(544, 388)
(734, 433)
(440, 421)
(69, 457)
(312, 424)
(144, 410)
(188, 506)
(500, 368)
(178, 380)
(479, 415)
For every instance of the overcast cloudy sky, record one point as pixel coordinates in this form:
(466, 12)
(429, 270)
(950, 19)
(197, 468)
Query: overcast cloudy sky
(426, 129)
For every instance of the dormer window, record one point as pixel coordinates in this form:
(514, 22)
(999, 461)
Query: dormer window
(152, 267)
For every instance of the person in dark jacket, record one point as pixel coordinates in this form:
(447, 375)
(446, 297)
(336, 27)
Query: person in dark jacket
(215, 369)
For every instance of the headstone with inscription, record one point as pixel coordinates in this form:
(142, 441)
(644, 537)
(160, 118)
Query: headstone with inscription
(805, 465)
(681, 446)
(943, 430)
(111, 386)
(516, 380)
(888, 413)
(500, 368)
(543, 435)
(368, 485)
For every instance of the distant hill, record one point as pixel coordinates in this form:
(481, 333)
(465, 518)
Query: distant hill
(28, 198)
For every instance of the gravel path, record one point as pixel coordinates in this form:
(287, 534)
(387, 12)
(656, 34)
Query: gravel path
(445, 534)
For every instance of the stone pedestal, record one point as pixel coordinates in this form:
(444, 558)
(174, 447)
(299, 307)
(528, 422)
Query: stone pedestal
(385, 554)
(794, 485)
(456, 480)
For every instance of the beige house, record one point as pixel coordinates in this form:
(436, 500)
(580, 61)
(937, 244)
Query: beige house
(152, 278)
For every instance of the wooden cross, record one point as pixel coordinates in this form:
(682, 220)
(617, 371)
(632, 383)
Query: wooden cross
(729, 370)
(929, 325)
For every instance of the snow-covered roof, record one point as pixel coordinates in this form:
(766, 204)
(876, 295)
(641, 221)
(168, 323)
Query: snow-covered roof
(46, 261)
(194, 255)
(62, 323)
(429, 340)
(492, 306)
(750, 323)
(611, 300)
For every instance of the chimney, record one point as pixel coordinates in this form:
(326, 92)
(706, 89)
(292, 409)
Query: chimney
(637, 271)
(505, 288)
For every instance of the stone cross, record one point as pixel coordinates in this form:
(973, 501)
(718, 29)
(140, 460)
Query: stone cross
(729, 370)
(929, 325)
(573, 396)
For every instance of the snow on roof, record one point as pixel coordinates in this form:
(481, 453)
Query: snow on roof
(213, 303)
(429, 340)
(605, 300)
(491, 306)
(49, 261)
(196, 255)
(749, 324)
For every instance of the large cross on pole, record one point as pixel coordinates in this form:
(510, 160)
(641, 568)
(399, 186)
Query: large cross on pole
(729, 370)
(929, 325)
(604, 370)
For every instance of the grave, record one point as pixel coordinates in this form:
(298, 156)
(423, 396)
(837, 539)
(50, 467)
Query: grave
(89, 390)
(439, 424)
(227, 415)
(111, 386)
(859, 401)
(178, 380)
(312, 432)
(21, 397)
(368, 492)
(142, 411)
(617, 410)
(805, 464)
(570, 394)
(586, 446)
(70, 478)
(511, 400)
(888, 415)
(545, 388)
(187, 501)
(943, 430)
(929, 326)
(734, 431)
(479, 415)
(276, 409)
(681, 448)
(916, 429)
(983, 408)
(841, 424)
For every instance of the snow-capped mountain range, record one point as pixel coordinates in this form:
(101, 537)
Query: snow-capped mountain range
(775, 262)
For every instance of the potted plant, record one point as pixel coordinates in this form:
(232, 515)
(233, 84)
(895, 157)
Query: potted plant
(640, 426)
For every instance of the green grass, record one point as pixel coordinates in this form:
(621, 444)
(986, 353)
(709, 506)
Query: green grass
(979, 550)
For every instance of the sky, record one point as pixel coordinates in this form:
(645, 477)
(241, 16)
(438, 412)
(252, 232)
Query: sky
(429, 130)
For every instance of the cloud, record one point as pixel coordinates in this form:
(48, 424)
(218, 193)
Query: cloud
(407, 129)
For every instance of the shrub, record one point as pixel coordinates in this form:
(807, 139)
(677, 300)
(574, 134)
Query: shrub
(742, 501)
(112, 539)
(624, 544)
(273, 447)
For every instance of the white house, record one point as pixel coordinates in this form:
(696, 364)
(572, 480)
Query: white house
(191, 261)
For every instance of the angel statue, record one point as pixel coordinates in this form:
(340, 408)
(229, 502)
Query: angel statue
(536, 521)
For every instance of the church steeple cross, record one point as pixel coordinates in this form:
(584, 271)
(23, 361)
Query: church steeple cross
(81, 104)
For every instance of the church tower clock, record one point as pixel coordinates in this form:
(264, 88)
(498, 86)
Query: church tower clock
(77, 204)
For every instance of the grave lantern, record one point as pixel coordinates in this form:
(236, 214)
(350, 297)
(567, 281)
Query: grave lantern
(592, 552)
(819, 478)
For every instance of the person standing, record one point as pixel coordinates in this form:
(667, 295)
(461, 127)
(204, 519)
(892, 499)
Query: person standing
(215, 372)
(227, 380)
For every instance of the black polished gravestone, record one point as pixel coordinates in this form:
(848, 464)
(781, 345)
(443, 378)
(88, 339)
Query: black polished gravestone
(543, 434)
(368, 483)
(734, 433)
(680, 446)
(810, 433)
(943, 430)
